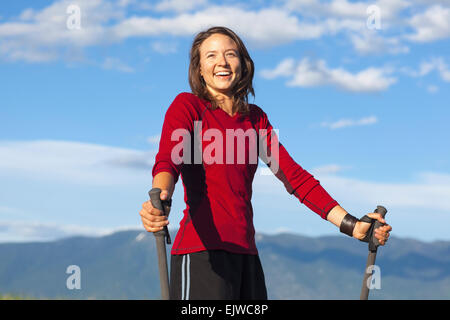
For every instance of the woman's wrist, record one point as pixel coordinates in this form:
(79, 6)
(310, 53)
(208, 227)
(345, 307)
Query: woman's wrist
(165, 181)
(343, 220)
(336, 215)
(348, 224)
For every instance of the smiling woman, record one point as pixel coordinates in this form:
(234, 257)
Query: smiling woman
(220, 67)
(214, 254)
(220, 50)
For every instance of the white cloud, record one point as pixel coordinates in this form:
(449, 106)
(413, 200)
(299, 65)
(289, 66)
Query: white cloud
(431, 191)
(433, 178)
(125, 3)
(284, 69)
(179, 5)
(431, 25)
(70, 188)
(343, 123)
(309, 73)
(432, 89)
(432, 2)
(260, 27)
(164, 47)
(25, 231)
(120, 169)
(367, 43)
(102, 22)
(8, 210)
(390, 10)
(443, 69)
(409, 204)
(115, 64)
(42, 35)
(344, 9)
(74, 162)
(13, 51)
(434, 64)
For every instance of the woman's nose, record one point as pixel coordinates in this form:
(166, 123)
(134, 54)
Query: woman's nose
(222, 60)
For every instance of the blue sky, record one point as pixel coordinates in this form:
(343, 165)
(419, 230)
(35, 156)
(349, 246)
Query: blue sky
(364, 107)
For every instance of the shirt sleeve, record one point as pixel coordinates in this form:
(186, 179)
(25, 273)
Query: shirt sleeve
(178, 122)
(296, 180)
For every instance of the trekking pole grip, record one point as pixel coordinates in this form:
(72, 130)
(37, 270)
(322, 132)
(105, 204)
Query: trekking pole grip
(155, 198)
(373, 242)
(160, 236)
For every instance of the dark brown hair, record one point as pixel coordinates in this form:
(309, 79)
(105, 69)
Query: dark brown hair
(244, 85)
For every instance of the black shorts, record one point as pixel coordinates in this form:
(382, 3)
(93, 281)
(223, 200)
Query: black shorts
(216, 275)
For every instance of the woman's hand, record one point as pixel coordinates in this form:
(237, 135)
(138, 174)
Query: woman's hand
(381, 233)
(152, 218)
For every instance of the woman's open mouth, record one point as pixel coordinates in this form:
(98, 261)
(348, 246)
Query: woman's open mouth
(224, 75)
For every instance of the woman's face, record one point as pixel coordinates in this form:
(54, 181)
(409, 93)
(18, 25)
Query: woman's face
(220, 65)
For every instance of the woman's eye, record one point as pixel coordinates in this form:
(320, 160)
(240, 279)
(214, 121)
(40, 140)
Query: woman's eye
(230, 54)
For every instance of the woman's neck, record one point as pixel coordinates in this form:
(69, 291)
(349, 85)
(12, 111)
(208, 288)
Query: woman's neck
(226, 104)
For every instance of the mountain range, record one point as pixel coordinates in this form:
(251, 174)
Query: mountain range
(123, 265)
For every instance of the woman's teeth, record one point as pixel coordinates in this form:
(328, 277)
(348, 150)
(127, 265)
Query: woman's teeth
(223, 75)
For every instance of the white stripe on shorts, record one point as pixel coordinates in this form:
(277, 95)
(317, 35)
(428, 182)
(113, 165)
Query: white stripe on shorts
(188, 276)
(185, 277)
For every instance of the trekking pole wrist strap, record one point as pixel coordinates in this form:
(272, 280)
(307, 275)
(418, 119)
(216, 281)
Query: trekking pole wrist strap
(348, 224)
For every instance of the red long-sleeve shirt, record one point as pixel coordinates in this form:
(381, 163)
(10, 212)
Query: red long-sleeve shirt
(218, 190)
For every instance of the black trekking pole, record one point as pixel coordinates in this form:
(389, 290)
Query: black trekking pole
(161, 238)
(373, 247)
